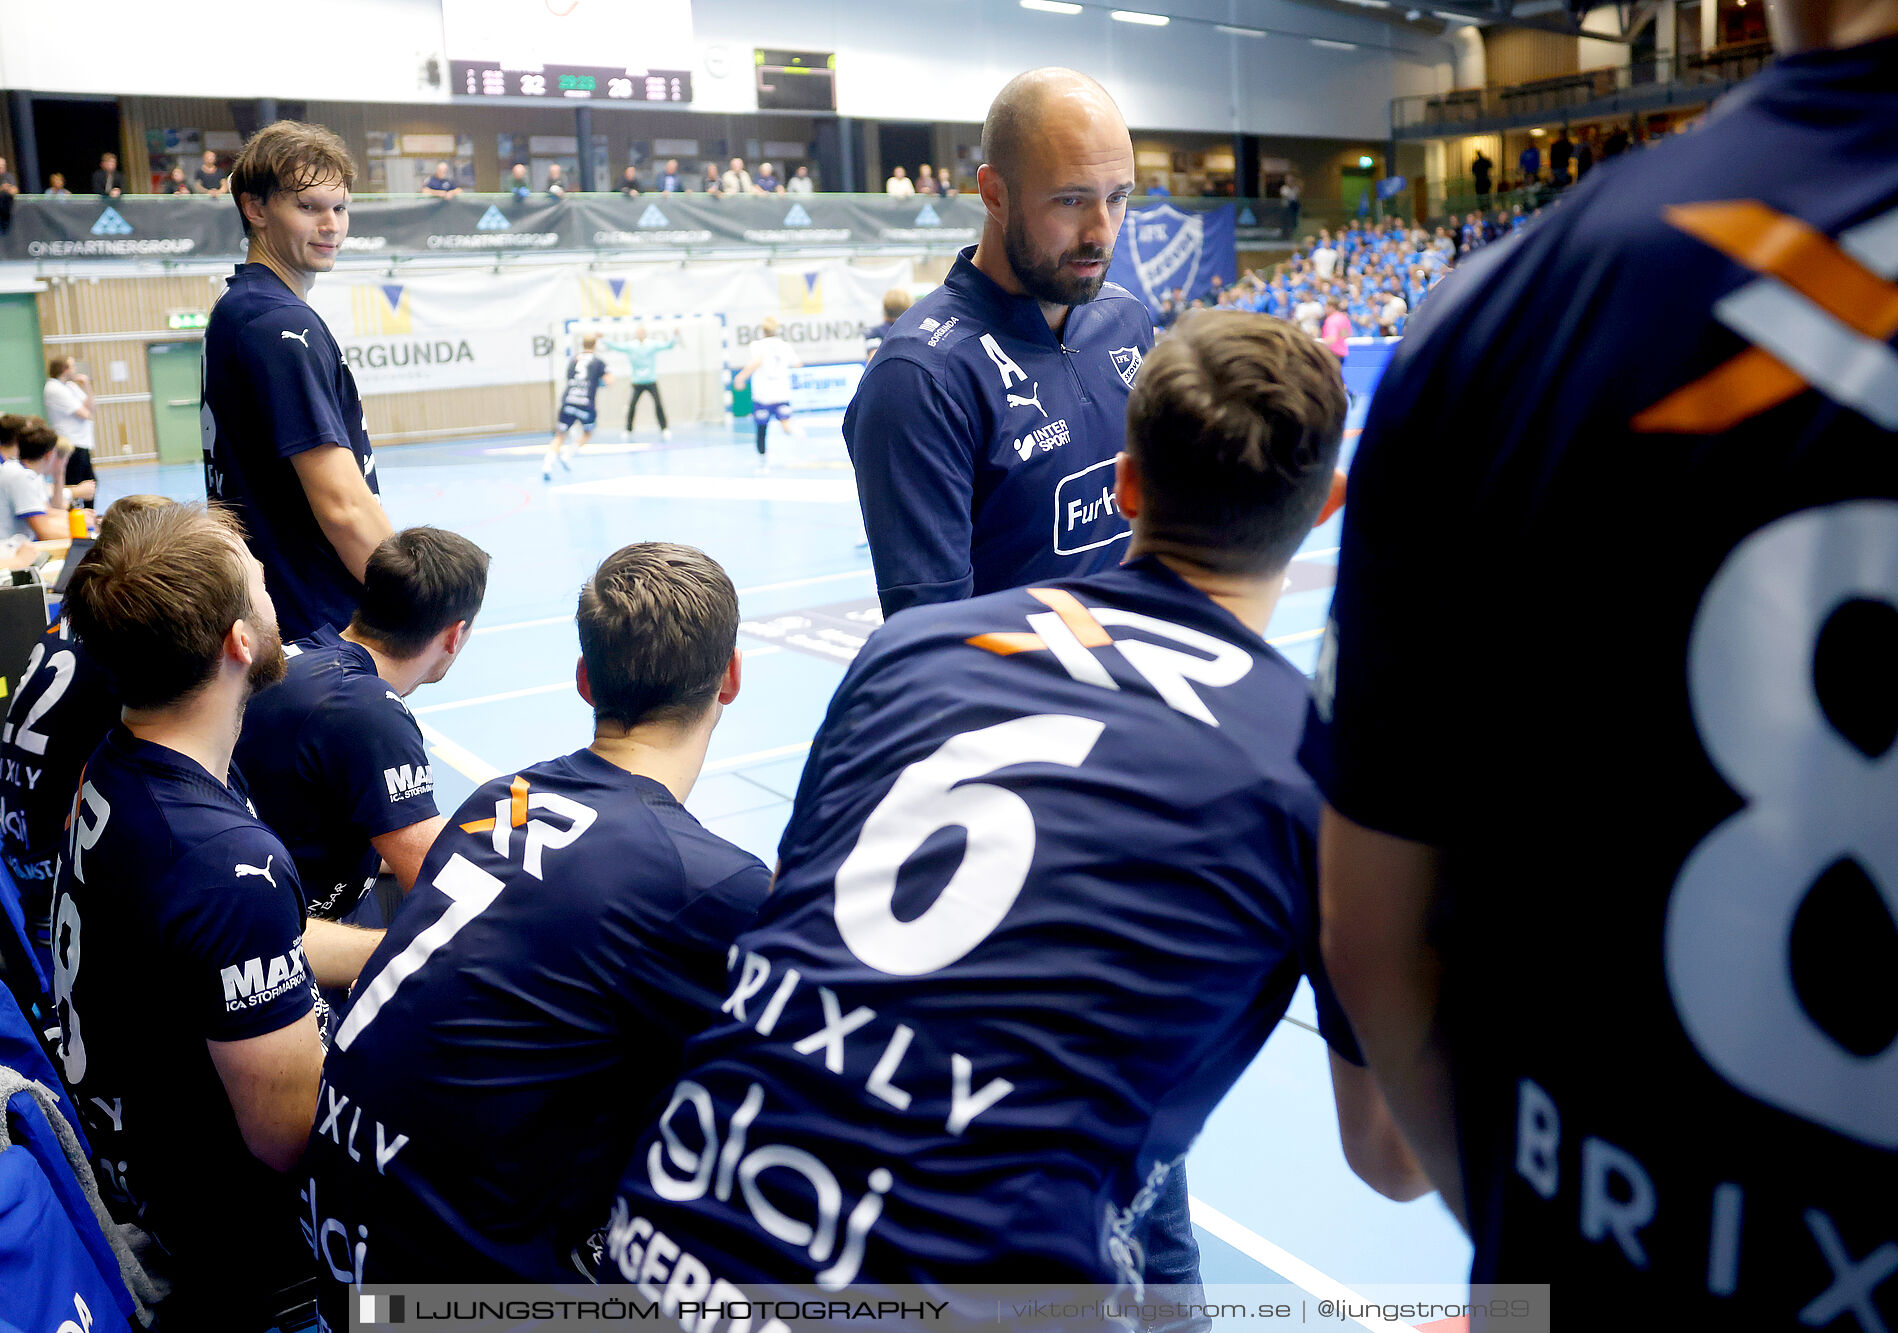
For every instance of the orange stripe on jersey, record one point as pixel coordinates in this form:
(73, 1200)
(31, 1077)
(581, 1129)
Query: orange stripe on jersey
(1787, 250)
(479, 826)
(1751, 383)
(517, 804)
(1006, 645)
(1334, 501)
(1075, 616)
(1806, 260)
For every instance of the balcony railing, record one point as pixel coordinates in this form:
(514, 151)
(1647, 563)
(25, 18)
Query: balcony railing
(1465, 110)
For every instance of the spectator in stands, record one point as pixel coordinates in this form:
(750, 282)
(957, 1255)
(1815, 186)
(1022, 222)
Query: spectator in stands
(899, 184)
(1336, 331)
(1584, 152)
(441, 185)
(287, 449)
(1158, 189)
(56, 186)
(1291, 191)
(1530, 163)
(946, 182)
(1309, 314)
(519, 184)
(710, 182)
(767, 182)
(1391, 313)
(72, 706)
(800, 183)
(27, 469)
(334, 758)
(1561, 153)
(1617, 142)
(9, 190)
(209, 177)
(556, 181)
(895, 302)
(524, 1061)
(926, 180)
(108, 180)
(736, 179)
(197, 1066)
(174, 182)
(1324, 256)
(1480, 171)
(629, 183)
(670, 181)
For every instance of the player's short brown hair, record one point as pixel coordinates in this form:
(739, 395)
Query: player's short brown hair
(56, 366)
(418, 582)
(156, 597)
(36, 439)
(896, 301)
(658, 623)
(288, 155)
(1234, 423)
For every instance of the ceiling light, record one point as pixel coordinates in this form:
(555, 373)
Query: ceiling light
(1051, 6)
(1137, 16)
(1538, 132)
(1232, 31)
(1325, 42)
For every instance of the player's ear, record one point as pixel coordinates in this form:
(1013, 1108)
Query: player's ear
(240, 642)
(993, 191)
(1127, 485)
(581, 683)
(456, 636)
(733, 678)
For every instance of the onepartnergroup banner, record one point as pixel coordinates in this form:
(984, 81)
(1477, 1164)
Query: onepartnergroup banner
(723, 1308)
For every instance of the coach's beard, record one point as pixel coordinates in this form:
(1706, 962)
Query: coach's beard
(1047, 280)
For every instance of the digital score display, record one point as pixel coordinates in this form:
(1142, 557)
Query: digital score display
(796, 80)
(488, 78)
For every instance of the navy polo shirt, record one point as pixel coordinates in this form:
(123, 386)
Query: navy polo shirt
(984, 442)
(276, 385)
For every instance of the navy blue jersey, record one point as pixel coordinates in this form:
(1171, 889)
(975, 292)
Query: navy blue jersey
(62, 709)
(984, 443)
(334, 759)
(1664, 788)
(504, 1043)
(177, 923)
(1048, 886)
(582, 387)
(276, 385)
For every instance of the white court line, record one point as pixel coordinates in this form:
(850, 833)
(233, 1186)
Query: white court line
(554, 688)
(756, 757)
(1303, 636)
(464, 762)
(1283, 1262)
(742, 592)
(1318, 554)
(493, 698)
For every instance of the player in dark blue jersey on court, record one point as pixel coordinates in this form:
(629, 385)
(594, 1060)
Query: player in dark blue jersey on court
(335, 760)
(285, 443)
(579, 403)
(190, 1027)
(569, 932)
(1612, 904)
(60, 711)
(984, 432)
(1048, 885)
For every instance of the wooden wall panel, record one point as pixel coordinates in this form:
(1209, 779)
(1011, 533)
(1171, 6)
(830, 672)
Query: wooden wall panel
(1523, 55)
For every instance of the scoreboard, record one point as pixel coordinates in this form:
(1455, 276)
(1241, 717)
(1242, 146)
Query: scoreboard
(552, 48)
(493, 78)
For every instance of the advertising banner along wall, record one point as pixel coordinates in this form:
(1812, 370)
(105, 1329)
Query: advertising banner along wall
(162, 227)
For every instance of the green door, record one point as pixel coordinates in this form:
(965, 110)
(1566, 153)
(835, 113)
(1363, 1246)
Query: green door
(22, 355)
(176, 371)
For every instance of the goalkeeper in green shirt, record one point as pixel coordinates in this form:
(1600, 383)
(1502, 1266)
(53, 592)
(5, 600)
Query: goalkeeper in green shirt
(642, 354)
